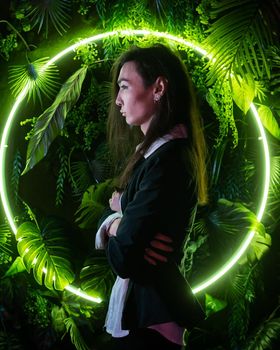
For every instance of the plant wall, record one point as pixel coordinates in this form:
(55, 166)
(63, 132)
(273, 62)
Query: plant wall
(59, 173)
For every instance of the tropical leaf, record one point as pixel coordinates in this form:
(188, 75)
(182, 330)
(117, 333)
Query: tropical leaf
(227, 225)
(243, 92)
(8, 341)
(75, 334)
(50, 123)
(213, 305)
(58, 316)
(238, 39)
(97, 277)
(275, 177)
(81, 178)
(94, 201)
(5, 241)
(16, 267)
(45, 252)
(54, 10)
(38, 76)
(269, 121)
(265, 336)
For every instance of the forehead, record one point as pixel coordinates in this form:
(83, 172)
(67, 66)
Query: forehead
(129, 73)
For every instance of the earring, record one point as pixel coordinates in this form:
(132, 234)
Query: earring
(156, 98)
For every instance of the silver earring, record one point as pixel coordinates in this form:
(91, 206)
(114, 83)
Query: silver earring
(156, 98)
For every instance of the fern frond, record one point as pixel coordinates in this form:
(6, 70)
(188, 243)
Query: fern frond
(16, 172)
(62, 173)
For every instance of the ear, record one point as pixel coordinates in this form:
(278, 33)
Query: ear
(160, 86)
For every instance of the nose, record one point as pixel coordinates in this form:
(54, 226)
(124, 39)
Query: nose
(118, 100)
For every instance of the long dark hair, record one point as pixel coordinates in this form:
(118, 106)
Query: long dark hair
(177, 106)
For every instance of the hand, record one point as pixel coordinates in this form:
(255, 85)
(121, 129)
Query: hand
(160, 242)
(114, 227)
(114, 201)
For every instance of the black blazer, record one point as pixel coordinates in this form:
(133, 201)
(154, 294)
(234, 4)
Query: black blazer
(159, 198)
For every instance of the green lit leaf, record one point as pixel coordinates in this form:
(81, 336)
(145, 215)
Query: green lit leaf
(97, 277)
(58, 316)
(213, 305)
(258, 246)
(269, 121)
(243, 92)
(36, 76)
(75, 334)
(46, 254)
(16, 267)
(50, 123)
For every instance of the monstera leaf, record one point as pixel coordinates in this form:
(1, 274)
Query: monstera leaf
(50, 123)
(97, 277)
(45, 252)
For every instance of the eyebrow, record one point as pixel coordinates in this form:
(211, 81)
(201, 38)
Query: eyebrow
(122, 79)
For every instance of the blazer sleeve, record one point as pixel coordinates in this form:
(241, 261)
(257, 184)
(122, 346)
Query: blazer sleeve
(152, 210)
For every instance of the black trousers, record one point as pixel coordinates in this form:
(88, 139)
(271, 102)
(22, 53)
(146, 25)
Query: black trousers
(143, 339)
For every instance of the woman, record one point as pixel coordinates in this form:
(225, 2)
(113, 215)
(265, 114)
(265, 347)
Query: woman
(151, 304)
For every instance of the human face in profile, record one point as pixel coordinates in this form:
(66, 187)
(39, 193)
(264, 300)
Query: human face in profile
(136, 101)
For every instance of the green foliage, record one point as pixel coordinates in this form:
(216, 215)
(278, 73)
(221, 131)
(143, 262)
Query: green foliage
(243, 92)
(94, 201)
(45, 252)
(41, 13)
(58, 316)
(97, 277)
(269, 121)
(16, 172)
(62, 174)
(220, 99)
(9, 341)
(35, 78)
(238, 39)
(50, 123)
(265, 335)
(7, 45)
(213, 304)
(241, 294)
(5, 244)
(75, 334)
(16, 267)
(87, 119)
(37, 309)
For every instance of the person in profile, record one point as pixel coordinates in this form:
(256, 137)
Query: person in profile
(151, 304)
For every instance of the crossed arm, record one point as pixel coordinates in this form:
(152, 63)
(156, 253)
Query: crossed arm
(159, 246)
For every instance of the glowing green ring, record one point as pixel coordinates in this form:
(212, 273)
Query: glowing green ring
(245, 243)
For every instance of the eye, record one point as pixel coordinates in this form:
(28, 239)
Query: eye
(123, 87)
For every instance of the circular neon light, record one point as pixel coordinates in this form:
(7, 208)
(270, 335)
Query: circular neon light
(3, 147)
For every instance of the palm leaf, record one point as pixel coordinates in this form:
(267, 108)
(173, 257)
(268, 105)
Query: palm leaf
(238, 39)
(46, 254)
(75, 334)
(8, 341)
(265, 336)
(97, 277)
(54, 10)
(37, 76)
(51, 121)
